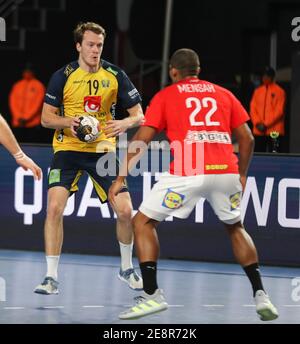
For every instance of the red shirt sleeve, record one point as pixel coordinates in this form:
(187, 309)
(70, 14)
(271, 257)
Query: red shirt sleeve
(155, 114)
(238, 114)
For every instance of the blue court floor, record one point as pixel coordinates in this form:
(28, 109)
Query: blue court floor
(91, 293)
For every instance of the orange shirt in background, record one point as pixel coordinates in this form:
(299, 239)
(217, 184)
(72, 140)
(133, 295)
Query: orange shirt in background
(25, 101)
(267, 107)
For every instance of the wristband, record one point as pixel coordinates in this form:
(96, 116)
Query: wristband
(19, 155)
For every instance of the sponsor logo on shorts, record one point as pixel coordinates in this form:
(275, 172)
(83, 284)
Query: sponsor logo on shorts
(235, 200)
(173, 200)
(54, 176)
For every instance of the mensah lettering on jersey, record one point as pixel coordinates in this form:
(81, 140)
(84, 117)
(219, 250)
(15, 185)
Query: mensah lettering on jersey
(195, 87)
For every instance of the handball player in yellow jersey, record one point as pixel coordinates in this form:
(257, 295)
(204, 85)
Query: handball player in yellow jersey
(90, 86)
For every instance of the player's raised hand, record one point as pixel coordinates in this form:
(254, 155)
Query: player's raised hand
(26, 163)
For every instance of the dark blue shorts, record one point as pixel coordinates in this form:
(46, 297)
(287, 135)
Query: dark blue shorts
(67, 167)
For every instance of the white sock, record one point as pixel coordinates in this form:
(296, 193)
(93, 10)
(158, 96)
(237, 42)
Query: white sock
(52, 266)
(126, 255)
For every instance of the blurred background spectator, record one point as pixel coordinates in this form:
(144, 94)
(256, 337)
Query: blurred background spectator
(25, 103)
(267, 113)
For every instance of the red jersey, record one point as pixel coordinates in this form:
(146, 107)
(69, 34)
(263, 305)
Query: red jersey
(198, 118)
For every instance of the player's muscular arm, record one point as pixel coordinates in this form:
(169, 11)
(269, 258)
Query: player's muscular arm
(246, 144)
(117, 127)
(51, 119)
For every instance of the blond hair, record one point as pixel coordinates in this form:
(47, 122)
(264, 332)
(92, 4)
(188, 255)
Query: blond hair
(82, 27)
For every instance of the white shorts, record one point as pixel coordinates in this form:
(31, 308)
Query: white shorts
(177, 196)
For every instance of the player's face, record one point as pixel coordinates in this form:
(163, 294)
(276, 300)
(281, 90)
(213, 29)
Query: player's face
(90, 49)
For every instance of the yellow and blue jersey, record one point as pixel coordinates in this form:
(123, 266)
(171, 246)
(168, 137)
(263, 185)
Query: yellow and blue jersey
(77, 92)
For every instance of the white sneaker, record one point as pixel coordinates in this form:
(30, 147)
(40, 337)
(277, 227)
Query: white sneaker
(264, 308)
(130, 277)
(47, 287)
(146, 304)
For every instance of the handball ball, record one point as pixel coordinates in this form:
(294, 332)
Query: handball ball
(88, 129)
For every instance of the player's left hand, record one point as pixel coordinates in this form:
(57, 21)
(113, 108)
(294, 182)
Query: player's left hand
(114, 190)
(115, 127)
(26, 163)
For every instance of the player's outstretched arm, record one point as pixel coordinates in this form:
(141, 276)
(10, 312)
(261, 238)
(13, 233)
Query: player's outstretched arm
(116, 127)
(9, 141)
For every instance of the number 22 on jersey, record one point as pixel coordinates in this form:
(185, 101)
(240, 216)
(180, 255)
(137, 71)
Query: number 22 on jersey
(197, 105)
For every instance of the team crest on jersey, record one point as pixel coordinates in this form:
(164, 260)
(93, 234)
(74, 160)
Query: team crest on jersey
(173, 200)
(235, 200)
(105, 83)
(92, 104)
